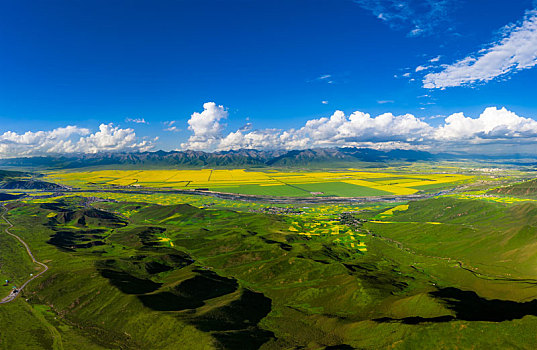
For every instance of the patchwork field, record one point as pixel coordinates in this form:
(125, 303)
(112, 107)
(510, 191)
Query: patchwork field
(349, 183)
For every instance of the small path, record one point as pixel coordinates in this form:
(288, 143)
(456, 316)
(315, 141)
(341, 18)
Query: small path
(17, 291)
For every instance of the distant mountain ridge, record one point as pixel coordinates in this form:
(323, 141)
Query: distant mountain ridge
(236, 158)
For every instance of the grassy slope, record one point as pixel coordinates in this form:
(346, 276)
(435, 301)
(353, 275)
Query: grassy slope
(495, 238)
(321, 292)
(15, 264)
(524, 189)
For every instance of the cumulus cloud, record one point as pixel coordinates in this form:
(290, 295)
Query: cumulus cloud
(111, 138)
(515, 51)
(492, 124)
(206, 127)
(258, 139)
(70, 139)
(337, 130)
(384, 131)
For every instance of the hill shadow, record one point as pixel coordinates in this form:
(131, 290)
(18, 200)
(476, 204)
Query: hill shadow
(468, 306)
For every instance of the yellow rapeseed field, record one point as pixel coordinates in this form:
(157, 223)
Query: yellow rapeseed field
(253, 182)
(389, 212)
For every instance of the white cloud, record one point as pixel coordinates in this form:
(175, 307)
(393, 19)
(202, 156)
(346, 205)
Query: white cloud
(337, 130)
(416, 31)
(326, 78)
(246, 127)
(111, 138)
(420, 68)
(40, 142)
(172, 129)
(206, 127)
(136, 120)
(516, 51)
(385, 127)
(492, 124)
(170, 126)
(383, 131)
(70, 139)
(258, 139)
(382, 102)
(324, 102)
(406, 75)
(419, 17)
(435, 59)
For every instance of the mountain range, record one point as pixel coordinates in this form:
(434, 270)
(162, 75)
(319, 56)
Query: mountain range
(236, 158)
(250, 158)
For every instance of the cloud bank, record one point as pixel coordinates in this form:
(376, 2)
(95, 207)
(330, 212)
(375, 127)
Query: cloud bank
(70, 139)
(456, 132)
(515, 51)
(359, 129)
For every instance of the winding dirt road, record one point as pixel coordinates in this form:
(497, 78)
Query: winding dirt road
(16, 292)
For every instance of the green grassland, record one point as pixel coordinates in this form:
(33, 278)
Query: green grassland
(162, 271)
(496, 240)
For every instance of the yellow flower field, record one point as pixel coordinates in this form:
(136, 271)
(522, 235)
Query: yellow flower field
(348, 183)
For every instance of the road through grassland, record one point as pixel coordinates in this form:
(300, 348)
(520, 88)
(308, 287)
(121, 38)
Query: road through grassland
(17, 291)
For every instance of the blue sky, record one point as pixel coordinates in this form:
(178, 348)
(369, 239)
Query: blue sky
(100, 66)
